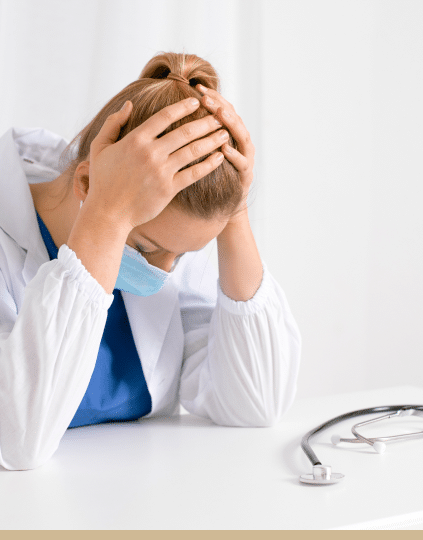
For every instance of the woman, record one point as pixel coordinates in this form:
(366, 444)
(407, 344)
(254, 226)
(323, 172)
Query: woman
(108, 308)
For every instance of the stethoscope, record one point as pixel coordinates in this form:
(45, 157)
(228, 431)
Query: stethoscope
(322, 474)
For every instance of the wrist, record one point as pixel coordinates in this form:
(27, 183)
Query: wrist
(93, 212)
(238, 221)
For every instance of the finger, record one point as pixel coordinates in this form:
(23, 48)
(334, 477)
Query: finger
(157, 123)
(212, 100)
(238, 131)
(239, 161)
(197, 149)
(110, 130)
(224, 111)
(194, 173)
(191, 131)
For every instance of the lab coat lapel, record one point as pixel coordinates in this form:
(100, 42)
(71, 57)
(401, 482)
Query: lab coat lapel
(13, 182)
(22, 228)
(149, 318)
(37, 253)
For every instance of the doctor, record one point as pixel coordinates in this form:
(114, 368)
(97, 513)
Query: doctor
(109, 307)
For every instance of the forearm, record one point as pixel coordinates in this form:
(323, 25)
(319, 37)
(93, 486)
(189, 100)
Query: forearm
(242, 368)
(240, 266)
(98, 243)
(47, 355)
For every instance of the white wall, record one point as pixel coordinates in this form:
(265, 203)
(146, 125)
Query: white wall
(342, 124)
(331, 93)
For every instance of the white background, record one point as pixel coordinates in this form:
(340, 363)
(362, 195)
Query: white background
(331, 92)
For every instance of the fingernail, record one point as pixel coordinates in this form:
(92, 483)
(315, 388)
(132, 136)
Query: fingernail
(219, 156)
(218, 122)
(194, 101)
(224, 134)
(123, 106)
(228, 149)
(202, 88)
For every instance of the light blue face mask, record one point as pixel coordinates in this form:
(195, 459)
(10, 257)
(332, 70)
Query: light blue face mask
(138, 277)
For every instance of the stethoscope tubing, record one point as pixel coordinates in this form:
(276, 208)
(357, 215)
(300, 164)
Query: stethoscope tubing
(403, 437)
(371, 410)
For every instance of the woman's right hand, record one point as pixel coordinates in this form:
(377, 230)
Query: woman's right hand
(131, 181)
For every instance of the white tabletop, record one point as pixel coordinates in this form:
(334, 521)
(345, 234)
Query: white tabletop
(187, 473)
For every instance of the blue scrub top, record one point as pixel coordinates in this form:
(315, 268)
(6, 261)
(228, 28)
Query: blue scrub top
(117, 390)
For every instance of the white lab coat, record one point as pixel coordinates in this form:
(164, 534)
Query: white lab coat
(234, 362)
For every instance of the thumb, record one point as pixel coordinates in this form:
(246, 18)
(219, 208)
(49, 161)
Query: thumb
(110, 130)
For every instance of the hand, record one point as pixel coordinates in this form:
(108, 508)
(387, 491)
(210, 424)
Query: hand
(131, 181)
(243, 158)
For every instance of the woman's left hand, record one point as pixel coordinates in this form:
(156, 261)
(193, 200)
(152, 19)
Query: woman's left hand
(243, 158)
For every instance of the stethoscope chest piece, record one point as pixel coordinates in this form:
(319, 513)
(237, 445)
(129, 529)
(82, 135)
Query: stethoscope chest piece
(322, 474)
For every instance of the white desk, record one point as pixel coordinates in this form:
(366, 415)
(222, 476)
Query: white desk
(187, 473)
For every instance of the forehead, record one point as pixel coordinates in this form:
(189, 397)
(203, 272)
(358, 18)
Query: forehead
(179, 232)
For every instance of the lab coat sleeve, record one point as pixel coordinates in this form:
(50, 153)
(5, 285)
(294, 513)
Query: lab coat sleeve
(48, 352)
(241, 359)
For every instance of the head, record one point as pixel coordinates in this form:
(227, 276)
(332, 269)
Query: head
(198, 213)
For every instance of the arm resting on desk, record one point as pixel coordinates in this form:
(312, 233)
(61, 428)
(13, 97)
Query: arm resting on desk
(241, 367)
(47, 355)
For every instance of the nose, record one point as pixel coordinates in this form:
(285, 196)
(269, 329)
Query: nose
(164, 262)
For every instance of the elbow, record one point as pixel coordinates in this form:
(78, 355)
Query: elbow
(269, 419)
(15, 460)
(247, 417)
(266, 413)
(25, 449)
(22, 464)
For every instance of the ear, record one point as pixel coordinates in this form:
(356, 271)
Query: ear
(81, 180)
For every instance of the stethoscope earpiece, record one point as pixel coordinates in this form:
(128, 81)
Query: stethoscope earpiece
(336, 439)
(380, 447)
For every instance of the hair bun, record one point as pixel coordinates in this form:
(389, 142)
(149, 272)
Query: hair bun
(188, 66)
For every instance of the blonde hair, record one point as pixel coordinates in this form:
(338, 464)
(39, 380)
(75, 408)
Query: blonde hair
(219, 192)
